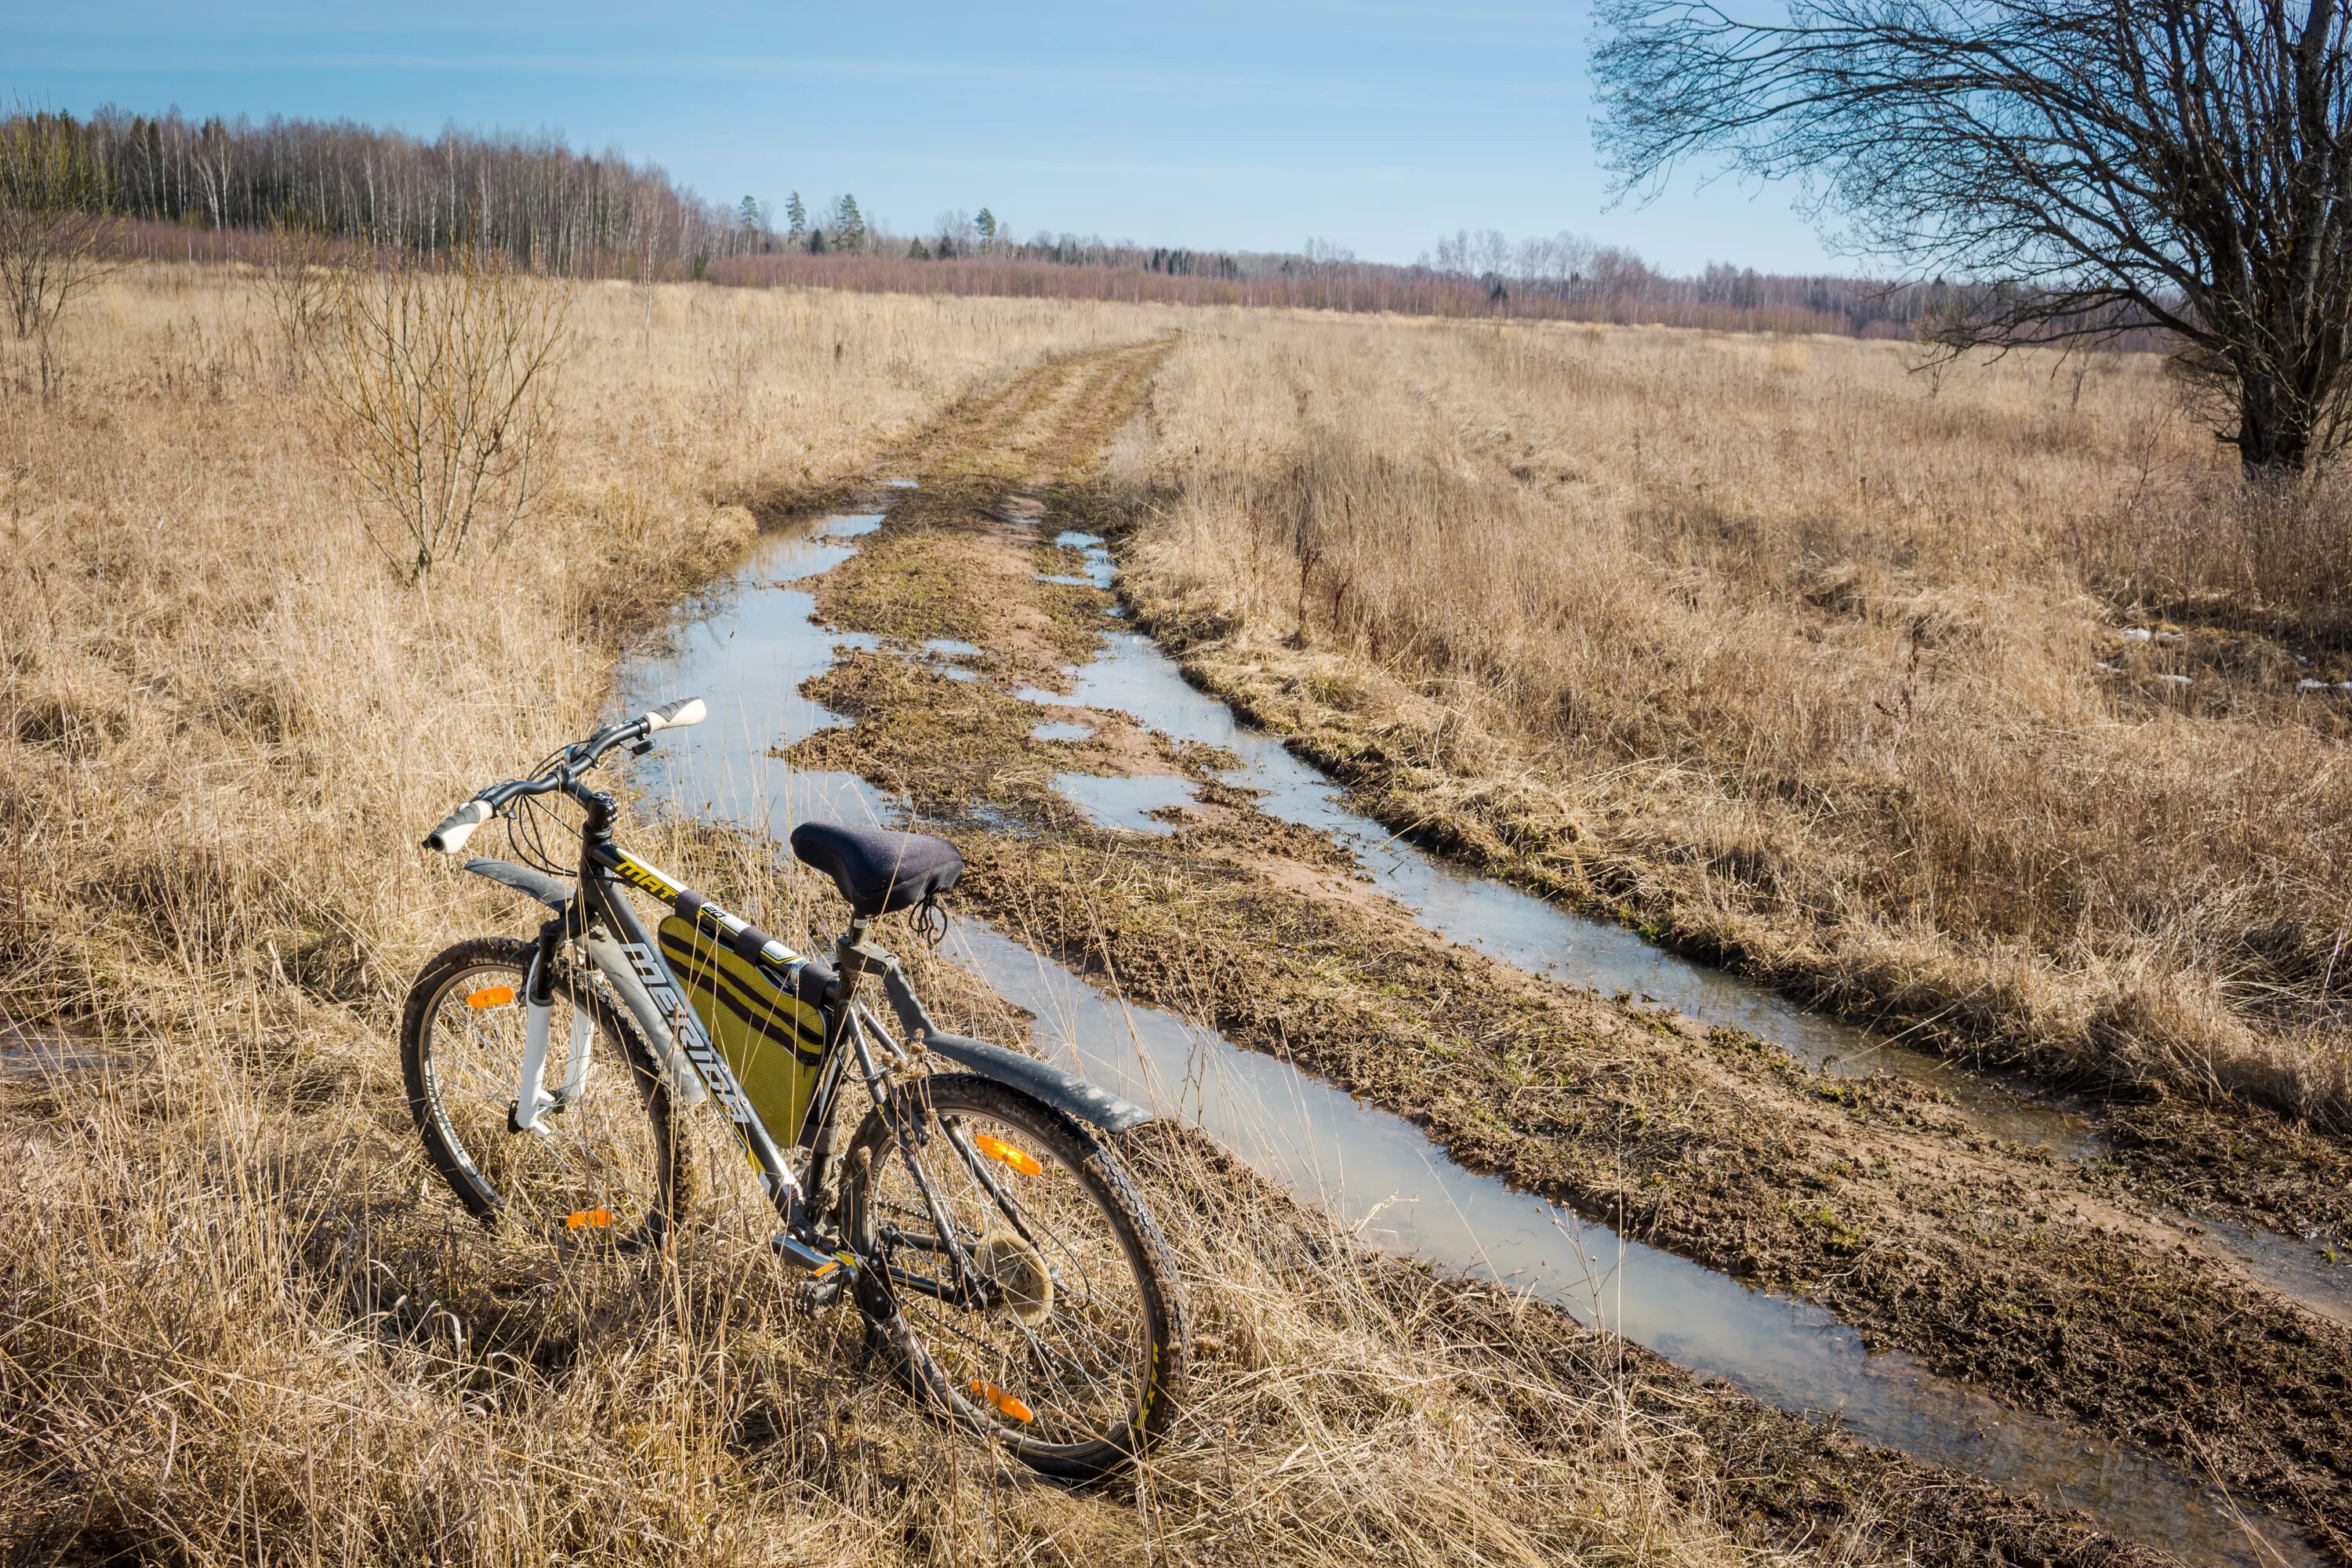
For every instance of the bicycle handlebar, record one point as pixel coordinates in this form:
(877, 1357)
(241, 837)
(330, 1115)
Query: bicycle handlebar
(577, 758)
(458, 827)
(675, 715)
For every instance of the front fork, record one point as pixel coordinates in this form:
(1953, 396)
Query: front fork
(532, 1099)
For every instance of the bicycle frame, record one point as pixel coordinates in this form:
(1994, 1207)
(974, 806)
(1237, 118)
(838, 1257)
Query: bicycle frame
(609, 932)
(597, 918)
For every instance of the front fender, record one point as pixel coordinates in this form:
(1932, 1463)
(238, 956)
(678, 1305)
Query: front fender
(555, 895)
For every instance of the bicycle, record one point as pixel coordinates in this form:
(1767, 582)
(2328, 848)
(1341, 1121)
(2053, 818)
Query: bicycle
(977, 1218)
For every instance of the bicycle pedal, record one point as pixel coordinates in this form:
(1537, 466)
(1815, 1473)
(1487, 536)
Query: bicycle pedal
(816, 1296)
(832, 1267)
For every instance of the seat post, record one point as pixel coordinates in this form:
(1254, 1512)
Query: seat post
(849, 958)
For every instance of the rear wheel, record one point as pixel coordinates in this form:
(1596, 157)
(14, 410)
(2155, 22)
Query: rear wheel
(602, 1167)
(1063, 1339)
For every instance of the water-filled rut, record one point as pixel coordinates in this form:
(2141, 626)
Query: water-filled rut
(750, 658)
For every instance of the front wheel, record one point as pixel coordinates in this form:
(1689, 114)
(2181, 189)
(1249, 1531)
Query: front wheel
(1034, 1296)
(602, 1166)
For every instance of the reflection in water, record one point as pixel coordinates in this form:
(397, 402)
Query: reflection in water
(1377, 1173)
(46, 1053)
(2297, 1269)
(1100, 570)
(747, 662)
(1127, 802)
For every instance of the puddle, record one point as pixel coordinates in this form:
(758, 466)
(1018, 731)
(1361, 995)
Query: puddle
(1127, 802)
(1100, 570)
(1518, 928)
(1065, 580)
(942, 651)
(1379, 1173)
(2299, 1271)
(46, 1053)
(746, 659)
(1133, 675)
(1062, 730)
(904, 484)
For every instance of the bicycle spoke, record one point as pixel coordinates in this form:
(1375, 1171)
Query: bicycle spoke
(590, 1166)
(1080, 1368)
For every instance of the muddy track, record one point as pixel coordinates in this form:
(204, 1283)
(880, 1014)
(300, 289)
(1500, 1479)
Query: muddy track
(2055, 1288)
(2240, 1163)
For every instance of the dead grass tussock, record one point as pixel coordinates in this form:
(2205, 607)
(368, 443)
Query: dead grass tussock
(1806, 659)
(240, 1322)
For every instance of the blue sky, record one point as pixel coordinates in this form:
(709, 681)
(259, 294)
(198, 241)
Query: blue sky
(1375, 126)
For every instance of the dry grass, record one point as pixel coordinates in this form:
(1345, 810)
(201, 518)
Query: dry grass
(1804, 658)
(238, 1324)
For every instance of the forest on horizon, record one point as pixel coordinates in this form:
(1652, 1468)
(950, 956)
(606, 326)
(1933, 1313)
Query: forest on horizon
(214, 189)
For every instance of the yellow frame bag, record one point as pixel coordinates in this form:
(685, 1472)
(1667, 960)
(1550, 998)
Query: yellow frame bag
(774, 1041)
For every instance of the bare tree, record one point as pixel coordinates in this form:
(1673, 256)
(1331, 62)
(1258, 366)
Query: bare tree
(2096, 165)
(440, 388)
(296, 282)
(55, 228)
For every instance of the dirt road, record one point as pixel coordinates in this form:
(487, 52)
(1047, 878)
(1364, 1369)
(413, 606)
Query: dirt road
(2054, 1283)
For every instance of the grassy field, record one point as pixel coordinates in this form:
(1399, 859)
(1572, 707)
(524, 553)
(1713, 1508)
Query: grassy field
(239, 1325)
(238, 1322)
(1967, 698)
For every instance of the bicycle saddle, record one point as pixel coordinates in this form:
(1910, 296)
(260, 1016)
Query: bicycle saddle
(878, 871)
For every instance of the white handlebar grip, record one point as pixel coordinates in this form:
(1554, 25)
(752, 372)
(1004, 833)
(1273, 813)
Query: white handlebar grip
(676, 715)
(451, 835)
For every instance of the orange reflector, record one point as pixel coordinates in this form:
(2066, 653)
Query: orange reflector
(588, 1219)
(997, 1149)
(1004, 1401)
(490, 996)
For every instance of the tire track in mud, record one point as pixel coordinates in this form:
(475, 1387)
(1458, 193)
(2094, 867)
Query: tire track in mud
(1994, 1266)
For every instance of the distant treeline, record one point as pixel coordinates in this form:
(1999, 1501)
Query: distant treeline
(210, 189)
(533, 198)
(1725, 297)
(1563, 277)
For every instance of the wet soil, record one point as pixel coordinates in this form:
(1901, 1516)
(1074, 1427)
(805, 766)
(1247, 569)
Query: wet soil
(2055, 1284)
(1776, 1479)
